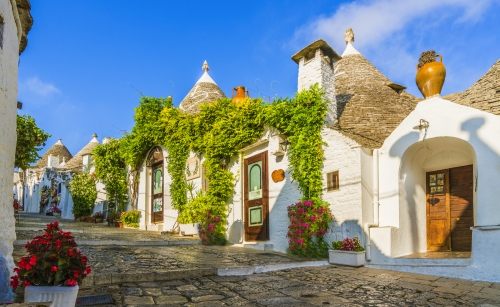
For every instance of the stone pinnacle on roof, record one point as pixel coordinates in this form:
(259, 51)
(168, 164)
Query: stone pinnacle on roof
(205, 90)
(349, 39)
(349, 36)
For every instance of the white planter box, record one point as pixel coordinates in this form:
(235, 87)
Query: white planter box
(58, 295)
(188, 229)
(346, 258)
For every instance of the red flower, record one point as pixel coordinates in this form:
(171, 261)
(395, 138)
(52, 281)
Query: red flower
(75, 273)
(71, 282)
(84, 259)
(25, 283)
(33, 260)
(87, 270)
(56, 223)
(54, 268)
(14, 283)
(58, 243)
(28, 267)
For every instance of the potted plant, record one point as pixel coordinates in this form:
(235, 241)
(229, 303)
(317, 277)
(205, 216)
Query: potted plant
(54, 210)
(53, 268)
(130, 218)
(347, 252)
(97, 217)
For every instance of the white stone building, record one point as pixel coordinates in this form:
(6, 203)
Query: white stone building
(54, 171)
(15, 23)
(413, 178)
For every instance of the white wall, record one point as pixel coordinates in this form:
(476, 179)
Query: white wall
(9, 59)
(457, 135)
(344, 155)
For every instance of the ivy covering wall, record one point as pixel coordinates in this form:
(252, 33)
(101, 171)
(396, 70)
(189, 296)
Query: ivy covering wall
(217, 132)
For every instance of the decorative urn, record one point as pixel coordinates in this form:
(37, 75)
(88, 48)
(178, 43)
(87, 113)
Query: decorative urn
(241, 94)
(430, 74)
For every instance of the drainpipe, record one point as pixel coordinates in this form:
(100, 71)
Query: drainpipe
(242, 192)
(375, 205)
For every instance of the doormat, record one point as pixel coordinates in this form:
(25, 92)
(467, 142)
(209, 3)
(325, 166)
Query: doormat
(94, 300)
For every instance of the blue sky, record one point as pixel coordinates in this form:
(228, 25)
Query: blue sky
(84, 58)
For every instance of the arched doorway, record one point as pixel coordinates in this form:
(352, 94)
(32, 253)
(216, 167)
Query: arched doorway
(155, 163)
(437, 194)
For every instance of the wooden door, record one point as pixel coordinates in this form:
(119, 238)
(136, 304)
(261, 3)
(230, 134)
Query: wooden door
(438, 211)
(450, 209)
(256, 198)
(157, 193)
(461, 206)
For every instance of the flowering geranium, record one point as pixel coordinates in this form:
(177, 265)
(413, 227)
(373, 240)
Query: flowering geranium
(52, 260)
(309, 221)
(54, 209)
(348, 245)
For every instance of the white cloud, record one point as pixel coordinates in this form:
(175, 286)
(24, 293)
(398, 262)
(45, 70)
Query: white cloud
(374, 22)
(36, 86)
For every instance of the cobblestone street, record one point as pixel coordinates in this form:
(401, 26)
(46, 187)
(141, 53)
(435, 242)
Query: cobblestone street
(139, 268)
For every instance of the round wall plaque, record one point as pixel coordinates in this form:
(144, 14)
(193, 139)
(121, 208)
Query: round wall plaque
(278, 175)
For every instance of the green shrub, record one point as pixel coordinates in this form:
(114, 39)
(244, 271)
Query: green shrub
(130, 218)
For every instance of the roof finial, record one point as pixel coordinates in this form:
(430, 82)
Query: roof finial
(94, 135)
(349, 36)
(205, 66)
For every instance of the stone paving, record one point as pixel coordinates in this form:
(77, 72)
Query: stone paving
(316, 286)
(191, 275)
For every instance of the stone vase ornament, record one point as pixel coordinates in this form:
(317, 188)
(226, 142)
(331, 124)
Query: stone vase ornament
(59, 296)
(430, 74)
(241, 94)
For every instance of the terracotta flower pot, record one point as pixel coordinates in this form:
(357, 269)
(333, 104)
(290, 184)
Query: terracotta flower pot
(98, 219)
(430, 78)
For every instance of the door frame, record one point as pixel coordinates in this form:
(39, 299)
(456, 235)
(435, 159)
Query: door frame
(263, 234)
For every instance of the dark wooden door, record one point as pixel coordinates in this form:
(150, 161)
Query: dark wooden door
(461, 206)
(438, 211)
(256, 198)
(450, 209)
(157, 193)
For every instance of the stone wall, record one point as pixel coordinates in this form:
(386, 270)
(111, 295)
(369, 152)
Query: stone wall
(9, 57)
(343, 155)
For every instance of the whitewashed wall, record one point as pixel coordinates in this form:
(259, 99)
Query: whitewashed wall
(9, 59)
(457, 134)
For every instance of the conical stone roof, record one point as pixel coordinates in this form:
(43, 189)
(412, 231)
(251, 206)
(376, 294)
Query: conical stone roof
(58, 149)
(484, 94)
(205, 90)
(370, 106)
(77, 161)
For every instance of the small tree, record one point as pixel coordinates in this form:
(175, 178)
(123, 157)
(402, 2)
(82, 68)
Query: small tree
(30, 140)
(111, 170)
(84, 193)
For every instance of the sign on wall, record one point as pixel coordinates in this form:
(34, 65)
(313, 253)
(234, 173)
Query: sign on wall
(193, 168)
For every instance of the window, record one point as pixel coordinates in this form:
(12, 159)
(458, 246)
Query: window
(332, 183)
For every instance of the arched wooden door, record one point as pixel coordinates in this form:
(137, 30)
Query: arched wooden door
(155, 162)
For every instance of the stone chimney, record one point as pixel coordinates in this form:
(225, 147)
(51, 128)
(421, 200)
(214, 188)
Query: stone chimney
(53, 161)
(316, 66)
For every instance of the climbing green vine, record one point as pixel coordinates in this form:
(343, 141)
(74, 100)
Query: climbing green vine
(216, 133)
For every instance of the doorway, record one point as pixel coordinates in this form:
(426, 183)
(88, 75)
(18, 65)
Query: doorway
(256, 198)
(450, 209)
(155, 162)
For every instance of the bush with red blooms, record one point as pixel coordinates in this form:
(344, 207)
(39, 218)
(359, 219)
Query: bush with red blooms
(52, 260)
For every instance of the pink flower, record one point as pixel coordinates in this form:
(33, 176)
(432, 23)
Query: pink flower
(54, 268)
